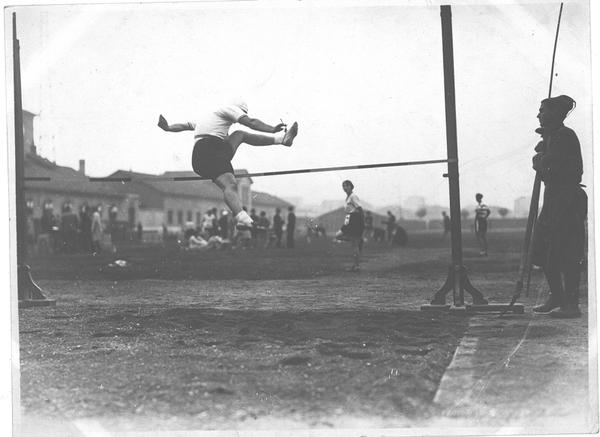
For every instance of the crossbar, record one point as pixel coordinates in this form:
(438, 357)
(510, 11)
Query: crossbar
(262, 174)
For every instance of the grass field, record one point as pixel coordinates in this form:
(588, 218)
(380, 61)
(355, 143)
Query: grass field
(249, 338)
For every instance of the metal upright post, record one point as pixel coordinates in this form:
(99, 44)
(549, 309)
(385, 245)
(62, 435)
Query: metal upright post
(457, 280)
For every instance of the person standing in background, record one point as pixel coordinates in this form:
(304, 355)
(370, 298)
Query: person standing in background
(447, 224)
(390, 225)
(278, 227)
(97, 230)
(291, 227)
(482, 212)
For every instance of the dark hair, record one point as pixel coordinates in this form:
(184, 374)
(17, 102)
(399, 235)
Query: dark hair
(348, 182)
(478, 196)
(562, 104)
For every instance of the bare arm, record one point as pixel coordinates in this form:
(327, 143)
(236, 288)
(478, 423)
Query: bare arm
(175, 127)
(256, 124)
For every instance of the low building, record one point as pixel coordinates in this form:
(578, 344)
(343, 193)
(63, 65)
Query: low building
(171, 203)
(56, 186)
(269, 203)
(50, 190)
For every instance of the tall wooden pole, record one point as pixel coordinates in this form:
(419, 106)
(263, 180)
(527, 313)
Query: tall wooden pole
(457, 280)
(19, 150)
(30, 294)
(452, 150)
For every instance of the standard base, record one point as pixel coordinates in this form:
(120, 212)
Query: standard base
(496, 308)
(28, 303)
(471, 309)
(430, 307)
(30, 294)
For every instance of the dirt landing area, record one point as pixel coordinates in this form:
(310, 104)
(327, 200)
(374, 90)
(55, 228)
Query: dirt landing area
(244, 354)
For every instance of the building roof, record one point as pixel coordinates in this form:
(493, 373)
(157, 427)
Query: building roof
(203, 189)
(65, 179)
(267, 199)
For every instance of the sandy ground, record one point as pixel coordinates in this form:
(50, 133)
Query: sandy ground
(260, 339)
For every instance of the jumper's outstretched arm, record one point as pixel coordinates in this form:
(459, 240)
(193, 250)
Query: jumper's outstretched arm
(175, 127)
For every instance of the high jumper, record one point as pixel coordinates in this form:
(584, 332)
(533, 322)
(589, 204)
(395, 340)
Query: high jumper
(214, 147)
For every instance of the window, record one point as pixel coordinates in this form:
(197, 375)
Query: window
(189, 216)
(179, 217)
(170, 217)
(198, 218)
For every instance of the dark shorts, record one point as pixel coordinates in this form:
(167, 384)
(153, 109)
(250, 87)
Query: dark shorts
(481, 226)
(355, 226)
(212, 157)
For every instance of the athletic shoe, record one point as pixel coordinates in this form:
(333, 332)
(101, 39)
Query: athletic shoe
(340, 236)
(244, 222)
(547, 307)
(290, 134)
(568, 312)
(243, 226)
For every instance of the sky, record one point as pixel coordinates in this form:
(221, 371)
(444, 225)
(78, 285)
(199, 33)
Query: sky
(363, 80)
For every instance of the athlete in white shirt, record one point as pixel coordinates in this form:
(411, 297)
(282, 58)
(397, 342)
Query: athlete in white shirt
(354, 224)
(215, 147)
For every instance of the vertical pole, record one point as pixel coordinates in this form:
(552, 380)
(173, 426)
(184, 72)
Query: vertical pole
(452, 147)
(19, 150)
(30, 294)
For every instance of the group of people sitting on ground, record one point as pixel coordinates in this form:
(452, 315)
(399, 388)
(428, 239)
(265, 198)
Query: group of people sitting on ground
(216, 233)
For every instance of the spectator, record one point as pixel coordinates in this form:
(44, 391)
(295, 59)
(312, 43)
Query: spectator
(208, 223)
(482, 212)
(390, 225)
(140, 232)
(253, 233)
(447, 224)
(224, 225)
(69, 225)
(85, 228)
(262, 229)
(197, 242)
(97, 230)
(189, 230)
(165, 233)
(291, 227)
(278, 227)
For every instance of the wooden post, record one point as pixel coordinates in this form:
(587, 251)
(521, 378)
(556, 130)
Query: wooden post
(30, 294)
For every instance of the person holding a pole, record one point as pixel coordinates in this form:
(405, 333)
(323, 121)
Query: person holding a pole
(559, 236)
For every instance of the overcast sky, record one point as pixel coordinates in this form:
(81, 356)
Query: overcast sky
(364, 81)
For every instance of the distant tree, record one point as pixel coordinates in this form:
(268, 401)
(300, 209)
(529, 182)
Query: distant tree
(421, 212)
(464, 213)
(503, 212)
